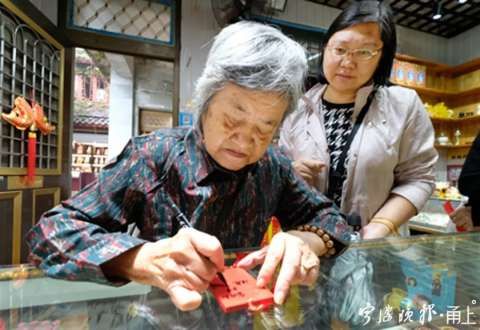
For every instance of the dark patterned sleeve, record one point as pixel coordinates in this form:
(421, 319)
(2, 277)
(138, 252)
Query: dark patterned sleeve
(74, 239)
(300, 204)
(469, 180)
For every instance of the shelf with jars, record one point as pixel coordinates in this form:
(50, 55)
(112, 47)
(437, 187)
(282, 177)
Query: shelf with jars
(88, 157)
(453, 146)
(451, 95)
(434, 82)
(455, 134)
(437, 120)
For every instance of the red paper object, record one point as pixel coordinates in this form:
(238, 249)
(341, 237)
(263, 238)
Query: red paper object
(448, 207)
(241, 292)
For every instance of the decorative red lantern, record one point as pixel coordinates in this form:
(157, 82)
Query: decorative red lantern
(24, 116)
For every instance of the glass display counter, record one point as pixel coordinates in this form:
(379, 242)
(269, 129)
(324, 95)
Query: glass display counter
(421, 282)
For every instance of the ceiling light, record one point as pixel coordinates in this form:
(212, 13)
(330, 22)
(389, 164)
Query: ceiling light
(462, 1)
(438, 12)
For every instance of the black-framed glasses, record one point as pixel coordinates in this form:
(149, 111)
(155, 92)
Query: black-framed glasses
(358, 54)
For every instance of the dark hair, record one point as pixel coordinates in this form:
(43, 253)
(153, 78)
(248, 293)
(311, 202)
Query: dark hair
(367, 11)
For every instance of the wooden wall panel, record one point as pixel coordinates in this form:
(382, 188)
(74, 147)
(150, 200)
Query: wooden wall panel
(41, 201)
(44, 200)
(6, 229)
(10, 227)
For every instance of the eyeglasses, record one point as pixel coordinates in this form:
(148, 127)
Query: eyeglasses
(359, 54)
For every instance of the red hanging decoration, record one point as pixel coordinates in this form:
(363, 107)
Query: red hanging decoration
(32, 155)
(40, 121)
(23, 116)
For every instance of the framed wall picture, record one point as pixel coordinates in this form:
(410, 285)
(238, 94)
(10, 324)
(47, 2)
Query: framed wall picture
(151, 120)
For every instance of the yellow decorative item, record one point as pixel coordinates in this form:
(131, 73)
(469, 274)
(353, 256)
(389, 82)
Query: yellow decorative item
(394, 298)
(458, 135)
(273, 228)
(439, 110)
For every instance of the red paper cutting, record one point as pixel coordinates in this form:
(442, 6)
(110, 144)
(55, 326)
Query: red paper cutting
(242, 291)
(448, 207)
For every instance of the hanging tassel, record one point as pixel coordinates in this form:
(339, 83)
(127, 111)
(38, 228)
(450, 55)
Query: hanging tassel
(32, 155)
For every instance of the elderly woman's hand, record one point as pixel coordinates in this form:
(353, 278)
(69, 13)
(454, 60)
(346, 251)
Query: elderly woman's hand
(298, 264)
(183, 265)
(308, 169)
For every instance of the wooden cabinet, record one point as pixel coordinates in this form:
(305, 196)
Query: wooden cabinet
(458, 87)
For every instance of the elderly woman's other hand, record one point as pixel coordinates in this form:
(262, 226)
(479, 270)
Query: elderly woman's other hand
(183, 265)
(462, 217)
(308, 169)
(298, 264)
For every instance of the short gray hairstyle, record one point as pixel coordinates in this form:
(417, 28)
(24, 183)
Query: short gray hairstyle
(254, 56)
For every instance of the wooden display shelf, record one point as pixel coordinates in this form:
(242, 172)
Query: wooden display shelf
(426, 90)
(455, 120)
(452, 146)
(462, 68)
(442, 93)
(444, 69)
(434, 66)
(453, 98)
(470, 92)
(465, 97)
(81, 165)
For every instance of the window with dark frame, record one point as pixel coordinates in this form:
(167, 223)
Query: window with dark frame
(311, 40)
(30, 68)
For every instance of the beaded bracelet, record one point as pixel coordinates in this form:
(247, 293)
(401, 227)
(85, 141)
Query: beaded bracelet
(330, 245)
(388, 223)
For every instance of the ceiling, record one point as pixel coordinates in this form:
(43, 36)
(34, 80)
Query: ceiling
(418, 14)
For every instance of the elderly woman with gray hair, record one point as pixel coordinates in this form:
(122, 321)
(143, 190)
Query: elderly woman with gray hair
(222, 175)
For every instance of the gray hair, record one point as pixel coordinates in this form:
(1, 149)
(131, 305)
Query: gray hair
(254, 56)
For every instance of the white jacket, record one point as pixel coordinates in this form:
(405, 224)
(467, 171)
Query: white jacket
(392, 152)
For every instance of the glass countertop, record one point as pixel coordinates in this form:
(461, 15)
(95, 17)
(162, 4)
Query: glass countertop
(421, 282)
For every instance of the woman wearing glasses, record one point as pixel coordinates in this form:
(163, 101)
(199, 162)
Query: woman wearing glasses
(366, 144)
